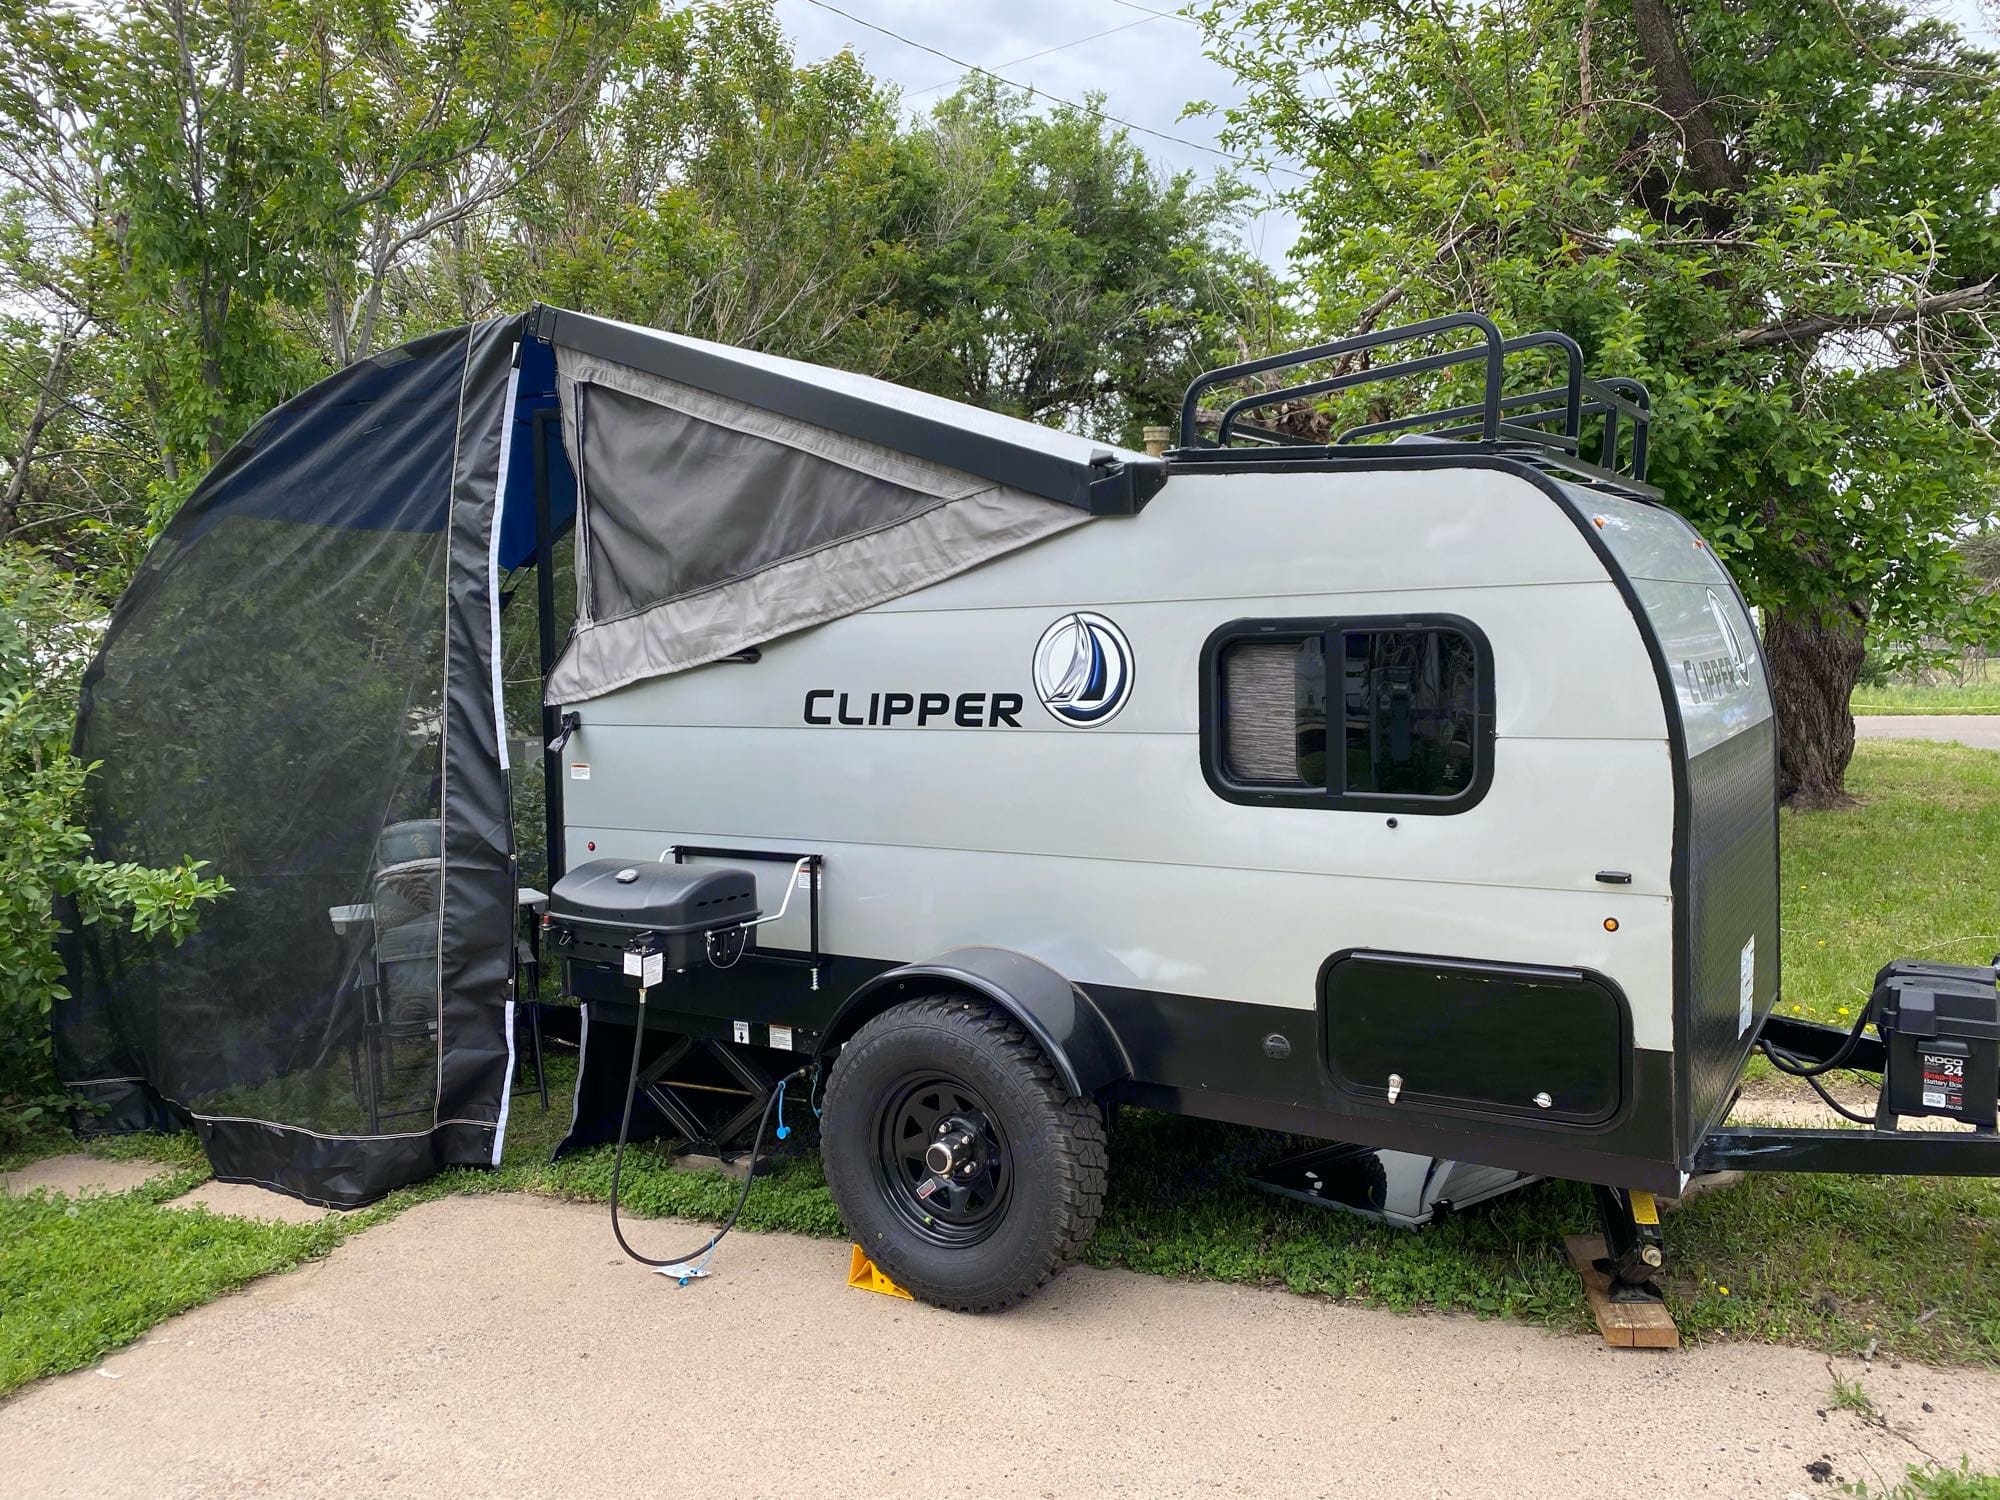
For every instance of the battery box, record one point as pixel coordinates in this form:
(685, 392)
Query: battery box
(1940, 1027)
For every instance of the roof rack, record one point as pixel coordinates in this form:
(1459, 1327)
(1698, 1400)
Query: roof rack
(1542, 426)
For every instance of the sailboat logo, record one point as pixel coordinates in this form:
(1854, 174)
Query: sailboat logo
(1083, 669)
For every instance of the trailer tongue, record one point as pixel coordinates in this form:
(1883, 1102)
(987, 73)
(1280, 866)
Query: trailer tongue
(1937, 1053)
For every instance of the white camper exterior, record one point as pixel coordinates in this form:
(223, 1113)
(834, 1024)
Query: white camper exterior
(1108, 853)
(1419, 795)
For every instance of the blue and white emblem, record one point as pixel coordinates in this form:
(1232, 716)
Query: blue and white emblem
(1083, 669)
(1739, 664)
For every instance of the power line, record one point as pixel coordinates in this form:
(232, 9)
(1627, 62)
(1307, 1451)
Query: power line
(1028, 88)
(1144, 20)
(1164, 15)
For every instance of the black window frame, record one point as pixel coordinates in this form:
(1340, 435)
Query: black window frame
(1214, 732)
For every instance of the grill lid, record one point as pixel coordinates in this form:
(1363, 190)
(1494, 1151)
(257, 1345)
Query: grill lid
(621, 897)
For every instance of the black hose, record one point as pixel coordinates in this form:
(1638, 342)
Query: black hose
(1798, 1067)
(624, 1129)
(1835, 1105)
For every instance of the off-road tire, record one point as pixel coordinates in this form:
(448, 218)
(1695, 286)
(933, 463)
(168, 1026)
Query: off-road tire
(1056, 1157)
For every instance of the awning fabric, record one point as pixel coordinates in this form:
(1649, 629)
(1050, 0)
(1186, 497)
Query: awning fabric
(710, 525)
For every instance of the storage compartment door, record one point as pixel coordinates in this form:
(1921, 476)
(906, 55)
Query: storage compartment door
(1467, 1037)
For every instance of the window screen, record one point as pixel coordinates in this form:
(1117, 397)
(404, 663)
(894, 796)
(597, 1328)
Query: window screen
(1404, 716)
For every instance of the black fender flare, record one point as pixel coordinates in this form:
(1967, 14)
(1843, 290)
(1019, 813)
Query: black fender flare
(1055, 1012)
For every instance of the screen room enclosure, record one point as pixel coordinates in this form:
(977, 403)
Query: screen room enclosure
(302, 688)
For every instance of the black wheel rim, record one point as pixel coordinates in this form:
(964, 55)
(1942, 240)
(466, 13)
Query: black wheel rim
(960, 1206)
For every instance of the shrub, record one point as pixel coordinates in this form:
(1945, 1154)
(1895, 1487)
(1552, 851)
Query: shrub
(46, 638)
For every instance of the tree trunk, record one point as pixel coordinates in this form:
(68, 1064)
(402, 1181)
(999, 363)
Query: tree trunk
(46, 396)
(1814, 660)
(1684, 102)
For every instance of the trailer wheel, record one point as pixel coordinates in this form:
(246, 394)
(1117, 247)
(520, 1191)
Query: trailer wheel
(958, 1159)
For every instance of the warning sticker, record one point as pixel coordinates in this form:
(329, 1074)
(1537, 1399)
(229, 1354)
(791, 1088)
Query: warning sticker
(1944, 1081)
(781, 1038)
(1746, 985)
(579, 770)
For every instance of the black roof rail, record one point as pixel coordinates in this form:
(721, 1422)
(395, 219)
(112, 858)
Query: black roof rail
(1571, 392)
(1356, 344)
(1621, 393)
(1544, 426)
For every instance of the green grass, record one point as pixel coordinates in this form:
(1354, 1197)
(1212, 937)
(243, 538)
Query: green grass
(80, 1277)
(1910, 1265)
(1910, 873)
(1852, 1395)
(1935, 1482)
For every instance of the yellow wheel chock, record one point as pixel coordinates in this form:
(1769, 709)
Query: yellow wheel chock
(862, 1272)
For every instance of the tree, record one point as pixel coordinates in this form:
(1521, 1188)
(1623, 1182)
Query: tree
(76, 467)
(1778, 213)
(67, 481)
(1035, 263)
(226, 189)
(717, 189)
(205, 205)
(1055, 274)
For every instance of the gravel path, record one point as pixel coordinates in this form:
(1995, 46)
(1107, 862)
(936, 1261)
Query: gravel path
(1981, 731)
(500, 1346)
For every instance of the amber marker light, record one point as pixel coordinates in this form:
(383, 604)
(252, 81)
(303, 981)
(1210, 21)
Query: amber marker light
(1610, 924)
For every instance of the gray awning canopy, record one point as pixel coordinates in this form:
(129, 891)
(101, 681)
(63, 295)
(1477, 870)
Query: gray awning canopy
(728, 497)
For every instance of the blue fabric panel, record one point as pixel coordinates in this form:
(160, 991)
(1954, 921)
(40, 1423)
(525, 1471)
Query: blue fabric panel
(517, 513)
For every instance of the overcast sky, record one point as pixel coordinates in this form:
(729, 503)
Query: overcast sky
(1148, 69)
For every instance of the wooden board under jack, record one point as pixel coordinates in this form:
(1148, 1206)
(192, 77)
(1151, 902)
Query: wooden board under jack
(1625, 1325)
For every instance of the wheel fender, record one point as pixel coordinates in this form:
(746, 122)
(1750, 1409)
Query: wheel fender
(1055, 1012)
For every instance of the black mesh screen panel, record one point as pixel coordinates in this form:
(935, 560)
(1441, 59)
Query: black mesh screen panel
(739, 503)
(273, 697)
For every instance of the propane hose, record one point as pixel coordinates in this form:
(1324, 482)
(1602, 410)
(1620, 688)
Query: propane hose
(688, 1269)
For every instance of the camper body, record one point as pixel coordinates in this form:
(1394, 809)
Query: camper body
(1563, 952)
(1414, 791)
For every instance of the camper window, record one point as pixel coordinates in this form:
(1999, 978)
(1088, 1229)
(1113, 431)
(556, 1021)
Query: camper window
(1401, 718)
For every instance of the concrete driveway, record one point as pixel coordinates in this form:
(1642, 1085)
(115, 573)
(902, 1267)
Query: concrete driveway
(1979, 730)
(501, 1346)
